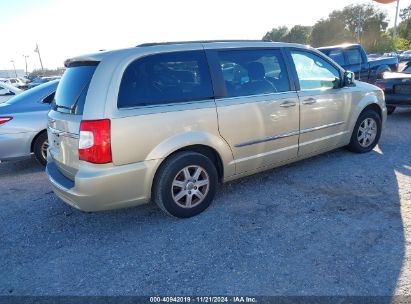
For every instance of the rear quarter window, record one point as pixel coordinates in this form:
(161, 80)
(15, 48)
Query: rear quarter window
(72, 90)
(166, 78)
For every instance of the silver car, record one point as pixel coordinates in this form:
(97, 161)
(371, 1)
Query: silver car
(23, 123)
(167, 122)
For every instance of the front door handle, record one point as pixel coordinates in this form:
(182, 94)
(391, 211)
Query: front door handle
(288, 104)
(309, 101)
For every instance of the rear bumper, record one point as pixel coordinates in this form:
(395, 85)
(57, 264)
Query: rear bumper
(104, 187)
(15, 145)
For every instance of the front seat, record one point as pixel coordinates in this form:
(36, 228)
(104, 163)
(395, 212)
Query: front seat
(257, 83)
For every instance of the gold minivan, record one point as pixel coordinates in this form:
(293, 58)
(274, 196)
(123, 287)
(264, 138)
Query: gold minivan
(168, 121)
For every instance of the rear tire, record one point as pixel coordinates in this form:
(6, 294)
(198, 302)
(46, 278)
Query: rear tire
(390, 109)
(40, 148)
(185, 184)
(366, 133)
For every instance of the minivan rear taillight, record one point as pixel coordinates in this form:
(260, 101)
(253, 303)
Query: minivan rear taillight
(95, 141)
(5, 119)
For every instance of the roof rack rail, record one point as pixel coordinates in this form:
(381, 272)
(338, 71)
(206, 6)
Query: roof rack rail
(197, 41)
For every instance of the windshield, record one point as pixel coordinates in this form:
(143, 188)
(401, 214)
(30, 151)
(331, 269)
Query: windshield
(72, 90)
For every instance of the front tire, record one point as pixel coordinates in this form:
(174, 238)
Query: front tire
(40, 148)
(185, 184)
(366, 133)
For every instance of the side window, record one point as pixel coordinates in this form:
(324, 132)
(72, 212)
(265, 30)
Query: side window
(253, 72)
(314, 72)
(166, 78)
(353, 56)
(337, 56)
(49, 98)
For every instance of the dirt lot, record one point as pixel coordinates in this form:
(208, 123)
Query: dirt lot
(336, 224)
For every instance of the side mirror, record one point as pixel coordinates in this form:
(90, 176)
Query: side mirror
(348, 78)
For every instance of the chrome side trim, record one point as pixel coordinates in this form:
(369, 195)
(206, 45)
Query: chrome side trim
(263, 154)
(321, 127)
(323, 138)
(258, 141)
(284, 135)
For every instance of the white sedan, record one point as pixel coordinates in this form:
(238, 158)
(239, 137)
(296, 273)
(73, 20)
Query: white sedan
(7, 91)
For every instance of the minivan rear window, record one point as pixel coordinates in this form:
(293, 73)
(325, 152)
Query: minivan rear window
(72, 90)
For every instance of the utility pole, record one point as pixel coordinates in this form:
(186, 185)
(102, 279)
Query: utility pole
(37, 50)
(359, 28)
(14, 67)
(25, 59)
(394, 36)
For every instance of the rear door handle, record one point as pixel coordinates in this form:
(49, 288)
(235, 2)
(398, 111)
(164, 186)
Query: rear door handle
(309, 101)
(288, 104)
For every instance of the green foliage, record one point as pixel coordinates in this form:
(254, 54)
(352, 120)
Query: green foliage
(277, 34)
(402, 44)
(383, 45)
(330, 32)
(404, 29)
(341, 26)
(297, 34)
(405, 13)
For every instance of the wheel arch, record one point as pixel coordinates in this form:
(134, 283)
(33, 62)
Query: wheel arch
(201, 142)
(373, 106)
(35, 138)
(382, 69)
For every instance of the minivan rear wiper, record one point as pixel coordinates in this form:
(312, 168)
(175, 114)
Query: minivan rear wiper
(62, 107)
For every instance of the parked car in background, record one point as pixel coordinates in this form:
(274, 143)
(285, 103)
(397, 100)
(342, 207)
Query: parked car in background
(374, 56)
(352, 57)
(23, 122)
(397, 89)
(15, 82)
(7, 91)
(406, 68)
(40, 80)
(405, 56)
(169, 121)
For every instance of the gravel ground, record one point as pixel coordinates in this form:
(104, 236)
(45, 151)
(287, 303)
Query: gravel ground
(335, 224)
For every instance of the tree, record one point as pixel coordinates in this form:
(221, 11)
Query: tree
(342, 25)
(404, 28)
(405, 13)
(329, 32)
(277, 34)
(299, 34)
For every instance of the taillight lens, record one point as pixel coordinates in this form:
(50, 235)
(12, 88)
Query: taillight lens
(380, 85)
(5, 119)
(95, 141)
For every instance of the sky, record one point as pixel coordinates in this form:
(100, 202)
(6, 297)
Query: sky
(67, 28)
